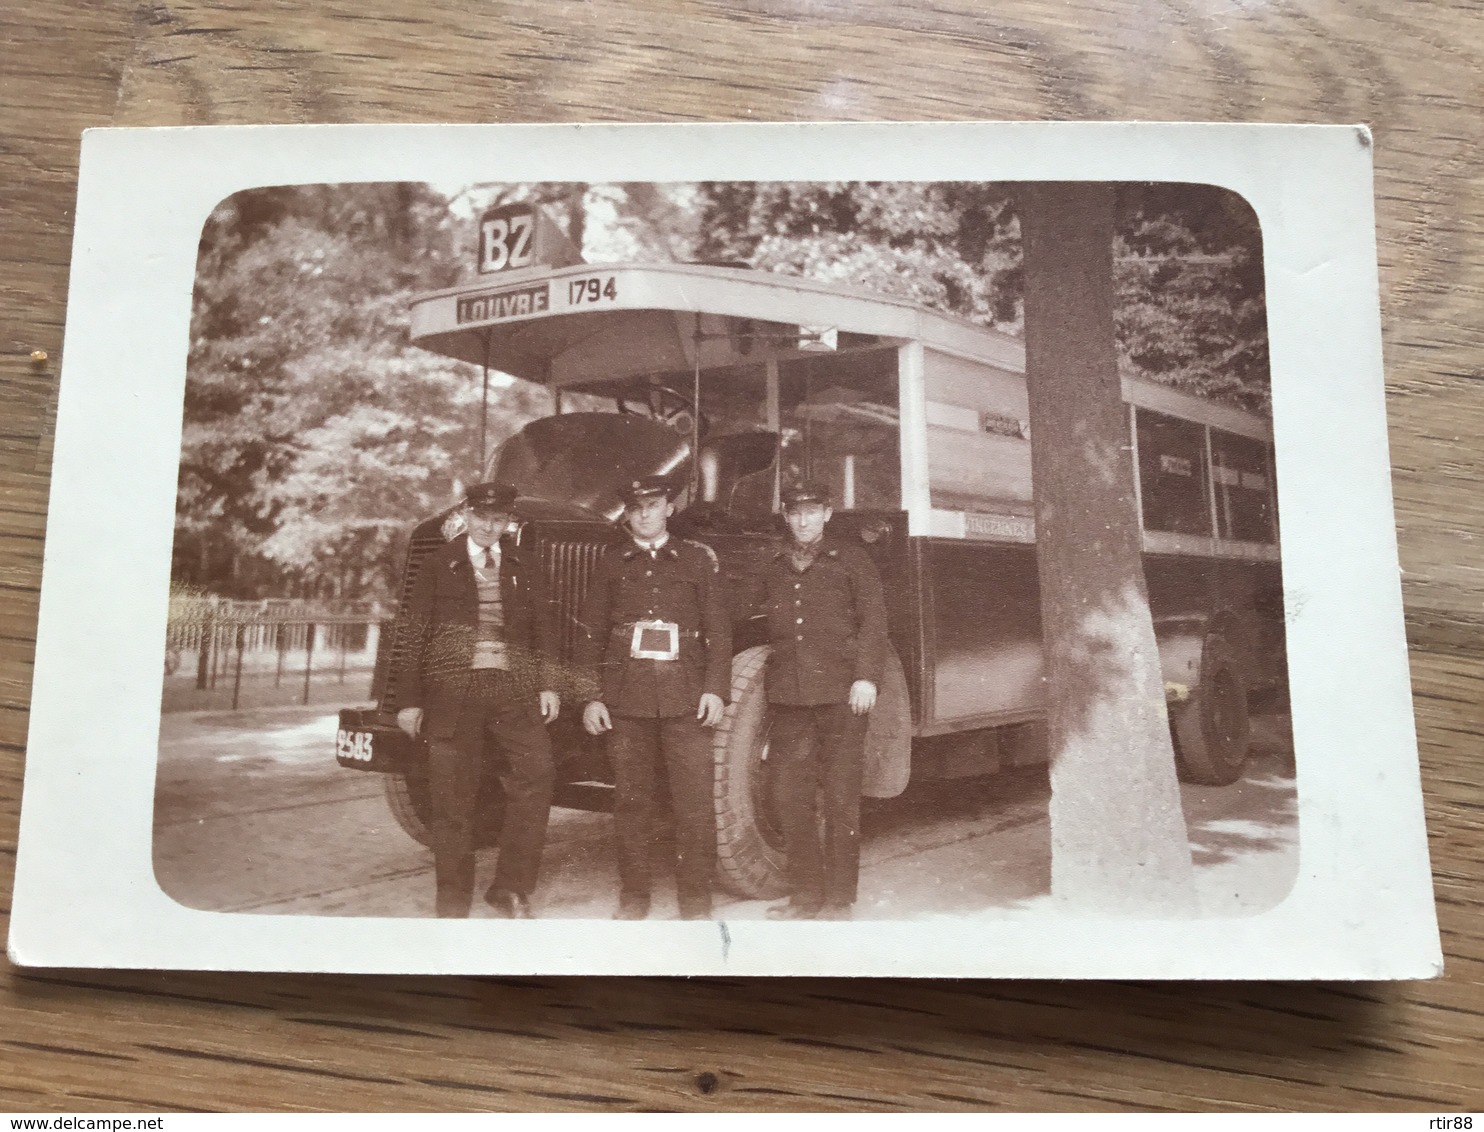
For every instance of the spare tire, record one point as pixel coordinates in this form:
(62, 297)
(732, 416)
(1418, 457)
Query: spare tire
(1212, 729)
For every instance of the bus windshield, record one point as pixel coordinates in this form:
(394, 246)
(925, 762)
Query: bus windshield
(831, 417)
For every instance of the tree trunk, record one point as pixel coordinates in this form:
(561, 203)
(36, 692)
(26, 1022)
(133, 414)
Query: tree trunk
(577, 214)
(1118, 836)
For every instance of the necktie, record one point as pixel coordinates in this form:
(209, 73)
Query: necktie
(489, 558)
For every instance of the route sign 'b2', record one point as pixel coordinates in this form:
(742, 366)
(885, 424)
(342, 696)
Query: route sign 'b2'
(513, 236)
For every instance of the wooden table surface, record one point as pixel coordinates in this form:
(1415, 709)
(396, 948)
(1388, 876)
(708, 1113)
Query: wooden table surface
(86, 1041)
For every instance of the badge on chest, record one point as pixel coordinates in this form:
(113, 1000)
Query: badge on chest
(655, 640)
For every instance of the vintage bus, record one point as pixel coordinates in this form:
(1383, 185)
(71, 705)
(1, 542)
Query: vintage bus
(733, 381)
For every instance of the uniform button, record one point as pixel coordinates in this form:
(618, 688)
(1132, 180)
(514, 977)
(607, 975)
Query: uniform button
(800, 621)
(796, 585)
(800, 637)
(649, 573)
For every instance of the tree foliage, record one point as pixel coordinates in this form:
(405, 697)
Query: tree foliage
(1190, 306)
(313, 432)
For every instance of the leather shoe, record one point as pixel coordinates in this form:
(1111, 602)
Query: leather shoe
(696, 911)
(791, 911)
(508, 905)
(836, 912)
(632, 908)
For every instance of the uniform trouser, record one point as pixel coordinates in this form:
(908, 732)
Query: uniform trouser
(637, 747)
(491, 709)
(819, 750)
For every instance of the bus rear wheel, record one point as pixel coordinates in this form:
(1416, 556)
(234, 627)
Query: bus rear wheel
(749, 839)
(1213, 731)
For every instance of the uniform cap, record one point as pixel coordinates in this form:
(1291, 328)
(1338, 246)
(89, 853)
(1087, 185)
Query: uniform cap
(809, 491)
(497, 497)
(645, 487)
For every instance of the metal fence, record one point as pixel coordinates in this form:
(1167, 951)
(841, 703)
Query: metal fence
(229, 641)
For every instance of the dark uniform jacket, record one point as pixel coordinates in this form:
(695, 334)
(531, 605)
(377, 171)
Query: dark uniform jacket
(679, 583)
(827, 625)
(437, 630)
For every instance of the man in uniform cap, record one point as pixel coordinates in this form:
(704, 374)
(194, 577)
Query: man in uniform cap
(657, 653)
(476, 665)
(827, 625)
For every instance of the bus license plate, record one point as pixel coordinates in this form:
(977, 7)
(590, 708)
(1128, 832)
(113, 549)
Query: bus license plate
(355, 747)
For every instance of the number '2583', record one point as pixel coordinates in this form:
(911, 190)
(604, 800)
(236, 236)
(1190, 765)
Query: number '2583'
(353, 745)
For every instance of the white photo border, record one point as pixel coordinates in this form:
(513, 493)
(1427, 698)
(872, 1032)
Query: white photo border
(85, 893)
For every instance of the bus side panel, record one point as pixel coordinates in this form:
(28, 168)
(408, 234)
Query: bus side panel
(1270, 651)
(984, 637)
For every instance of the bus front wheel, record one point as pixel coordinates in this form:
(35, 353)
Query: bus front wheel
(407, 798)
(411, 803)
(1212, 729)
(749, 839)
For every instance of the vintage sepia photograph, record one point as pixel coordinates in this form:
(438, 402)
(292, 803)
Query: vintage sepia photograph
(903, 550)
(702, 550)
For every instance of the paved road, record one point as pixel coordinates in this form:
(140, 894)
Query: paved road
(254, 815)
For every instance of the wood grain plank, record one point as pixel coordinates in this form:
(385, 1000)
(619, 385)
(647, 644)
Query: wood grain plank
(99, 1041)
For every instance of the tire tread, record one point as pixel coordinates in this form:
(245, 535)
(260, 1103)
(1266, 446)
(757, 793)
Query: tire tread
(741, 864)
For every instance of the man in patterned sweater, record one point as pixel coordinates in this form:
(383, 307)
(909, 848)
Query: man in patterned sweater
(478, 665)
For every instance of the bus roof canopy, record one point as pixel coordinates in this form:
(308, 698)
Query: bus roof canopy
(594, 322)
(605, 322)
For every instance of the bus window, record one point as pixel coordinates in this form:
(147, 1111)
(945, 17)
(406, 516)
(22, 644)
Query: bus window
(978, 436)
(738, 450)
(1172, 474)
(1244, 496)
(837, 416)
(840, 426)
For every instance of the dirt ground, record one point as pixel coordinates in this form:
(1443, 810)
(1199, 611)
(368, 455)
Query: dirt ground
(253, 814)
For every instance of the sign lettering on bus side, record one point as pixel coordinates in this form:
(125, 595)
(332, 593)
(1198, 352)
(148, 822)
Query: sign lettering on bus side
(496, 306)
(1009, 528)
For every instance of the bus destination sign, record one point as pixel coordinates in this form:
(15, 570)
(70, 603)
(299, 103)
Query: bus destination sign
(497, 306)
(519, 235)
